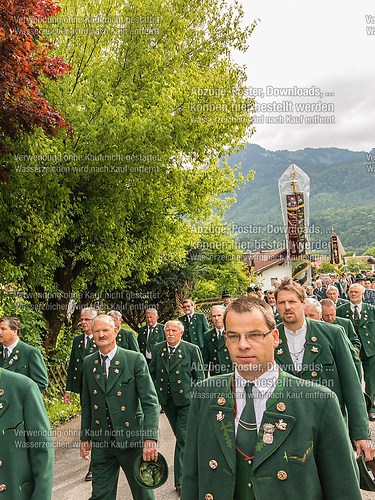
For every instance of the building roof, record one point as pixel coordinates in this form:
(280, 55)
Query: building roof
(260, 261)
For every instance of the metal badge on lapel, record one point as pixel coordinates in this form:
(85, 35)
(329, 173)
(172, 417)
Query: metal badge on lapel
(1, 392)
(280, 351)
(313, 339)
(221, 401)
(220, 416)
(281, 425)
(117, 363)
(314, 349)
(268, 430)
(117, 370)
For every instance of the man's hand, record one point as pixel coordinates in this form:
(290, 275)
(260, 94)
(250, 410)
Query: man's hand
(67, 397)
(150, 452)
(365, 445)
(85, 449)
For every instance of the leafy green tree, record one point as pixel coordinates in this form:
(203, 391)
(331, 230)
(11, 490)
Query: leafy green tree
(355, 265)
(155, 101)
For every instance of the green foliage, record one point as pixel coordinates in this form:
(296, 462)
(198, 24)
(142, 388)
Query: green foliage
(355, 265)
(59, 412)
(152, 114)
(370, 251)
(325, 267)
(33, 325)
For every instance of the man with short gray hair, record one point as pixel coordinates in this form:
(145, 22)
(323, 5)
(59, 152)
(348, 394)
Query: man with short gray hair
(150, 334)
(215, 353)
(313, 309)
(124, 338)
(362, 315)
(83, 345)
(175, 367)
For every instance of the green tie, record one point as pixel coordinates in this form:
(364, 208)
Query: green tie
(356, 319)
(6, 353)
(87, 346)
(247, 425)
(148, 343)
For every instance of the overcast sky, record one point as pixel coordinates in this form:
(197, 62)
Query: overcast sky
(322, 44)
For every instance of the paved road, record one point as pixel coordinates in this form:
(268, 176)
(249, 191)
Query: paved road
(70, 469)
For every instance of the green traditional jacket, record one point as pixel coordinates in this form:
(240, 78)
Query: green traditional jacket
(77, 355)
(126, 339)
(26, 447)
(300, 462)
(181, 371)
(157, 336)
(27, 360)
(328, 361)
(215, 354)
(194, 331)
(128, 397)
(366, 330)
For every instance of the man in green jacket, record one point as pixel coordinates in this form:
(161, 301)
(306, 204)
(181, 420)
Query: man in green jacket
(124, 338)
(215, 353)
(320, 352)
(362, 315)
(150, 334)
(19, 357)
(83, 345)
(175, 367)
(260, 433)
(26, 447)
(195, 324)
(120, 413)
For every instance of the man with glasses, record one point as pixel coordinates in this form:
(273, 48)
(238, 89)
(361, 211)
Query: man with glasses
(261, 433)
(83, 345)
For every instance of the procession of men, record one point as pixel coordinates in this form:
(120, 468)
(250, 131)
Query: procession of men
(272, 364)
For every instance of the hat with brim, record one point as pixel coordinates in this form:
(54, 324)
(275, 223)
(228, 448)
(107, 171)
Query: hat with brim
(366, 473)
(151, 474)
(359, 277)
(225, 294)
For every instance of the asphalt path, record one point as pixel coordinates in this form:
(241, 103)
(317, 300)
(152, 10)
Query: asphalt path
(70, 469)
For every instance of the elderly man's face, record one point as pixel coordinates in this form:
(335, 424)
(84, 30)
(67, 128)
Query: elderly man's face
(172, 333)
(311, 312)
(104, 333)
(188, 308)
(151, 318)
(86, 322)
(355, 295)
(217, 317)
(332, 294)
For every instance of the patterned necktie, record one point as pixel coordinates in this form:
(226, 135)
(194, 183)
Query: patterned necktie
(247, 425)
(6, 353)
(356, 319)
(148, 342)
(87, 345)
(104, 365)
(171, 351)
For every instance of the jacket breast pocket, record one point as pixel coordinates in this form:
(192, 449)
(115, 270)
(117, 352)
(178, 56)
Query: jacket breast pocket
(299, 456)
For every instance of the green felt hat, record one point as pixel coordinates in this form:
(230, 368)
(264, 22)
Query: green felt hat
(366, 473)
(151, 474)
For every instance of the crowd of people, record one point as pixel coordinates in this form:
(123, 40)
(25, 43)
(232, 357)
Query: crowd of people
(263, 403)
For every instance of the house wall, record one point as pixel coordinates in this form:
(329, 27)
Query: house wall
(278, 272)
